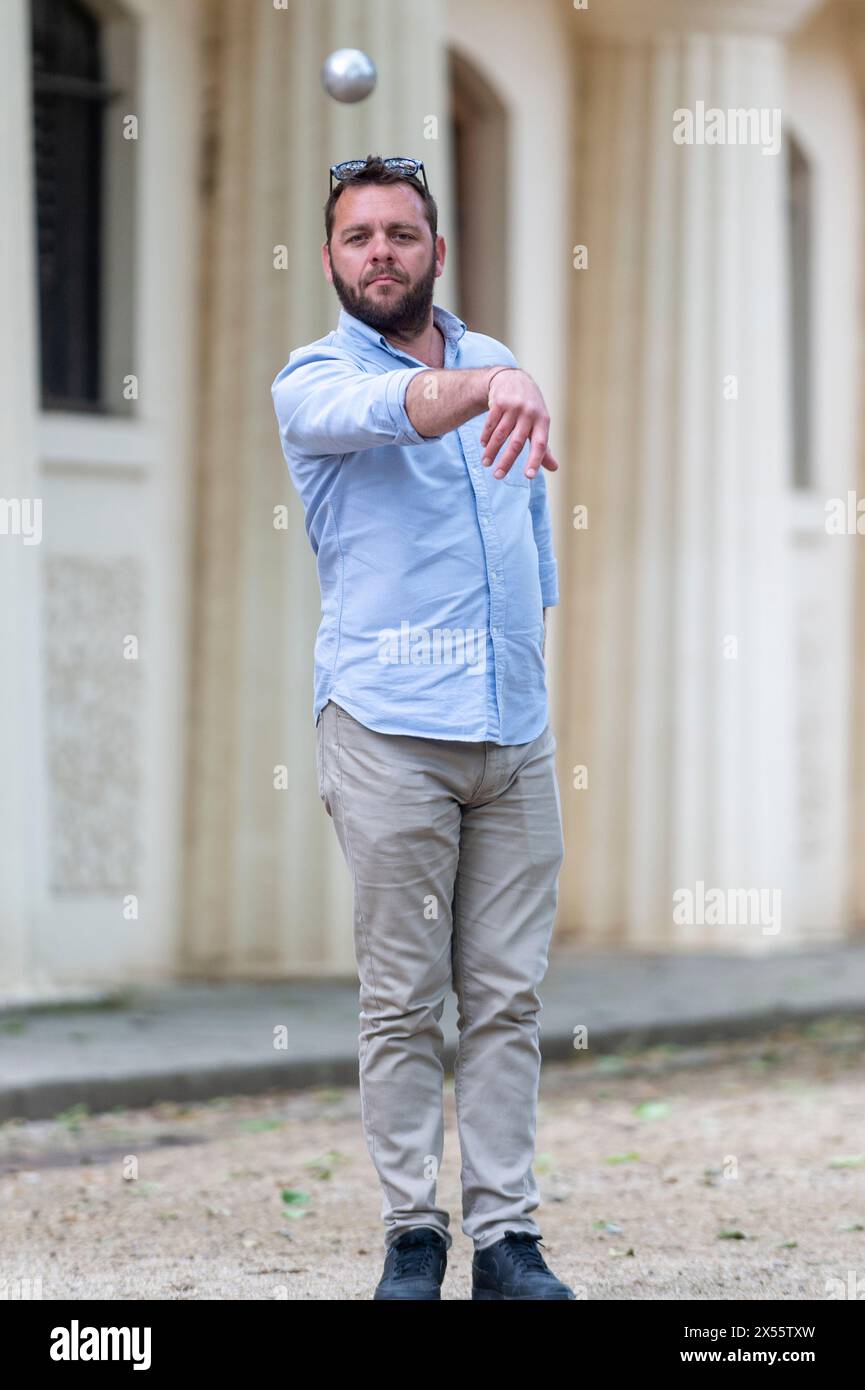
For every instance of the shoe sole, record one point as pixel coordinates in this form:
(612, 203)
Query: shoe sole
(481, 1294)
(411, 1298)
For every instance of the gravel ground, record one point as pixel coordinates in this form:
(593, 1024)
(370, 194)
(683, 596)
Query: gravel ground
(724, 1172)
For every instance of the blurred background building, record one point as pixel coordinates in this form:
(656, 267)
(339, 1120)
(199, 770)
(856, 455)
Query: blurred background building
(693, 314)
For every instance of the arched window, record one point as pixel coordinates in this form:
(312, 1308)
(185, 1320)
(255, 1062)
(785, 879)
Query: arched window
(83, 187)
(479, 135)
(799, 262)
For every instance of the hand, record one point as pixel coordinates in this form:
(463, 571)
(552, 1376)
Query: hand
(516, 409)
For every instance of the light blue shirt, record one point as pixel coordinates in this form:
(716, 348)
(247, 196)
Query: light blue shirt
(434, 574)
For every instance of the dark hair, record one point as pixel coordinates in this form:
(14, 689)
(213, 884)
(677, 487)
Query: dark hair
(375, 171)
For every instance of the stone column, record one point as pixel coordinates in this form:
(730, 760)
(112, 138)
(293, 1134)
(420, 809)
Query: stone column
(851, 18)
(267, 887)
(676, 657)
(21, 781)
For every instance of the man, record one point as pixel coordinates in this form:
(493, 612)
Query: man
(418, 449)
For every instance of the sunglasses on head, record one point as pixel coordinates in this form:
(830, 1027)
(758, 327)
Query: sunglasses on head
(410, 167)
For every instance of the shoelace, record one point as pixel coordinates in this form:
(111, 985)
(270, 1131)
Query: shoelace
(524, 1249)
(413, 1258)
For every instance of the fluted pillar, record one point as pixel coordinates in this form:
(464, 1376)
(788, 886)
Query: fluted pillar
(267, 887)
(676, 649)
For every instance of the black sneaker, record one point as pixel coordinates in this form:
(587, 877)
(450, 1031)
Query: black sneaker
(414, 1266)
(514, 1268)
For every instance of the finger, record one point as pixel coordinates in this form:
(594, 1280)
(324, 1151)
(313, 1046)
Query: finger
(499, 435)
(495, 419)
(550, 462)
(494, 414)
(514, 448)
(538, 450)
(516, 444)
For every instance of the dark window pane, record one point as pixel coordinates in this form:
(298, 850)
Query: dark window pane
(68, 96)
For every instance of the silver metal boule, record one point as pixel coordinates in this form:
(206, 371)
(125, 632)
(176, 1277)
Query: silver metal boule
(348, 74)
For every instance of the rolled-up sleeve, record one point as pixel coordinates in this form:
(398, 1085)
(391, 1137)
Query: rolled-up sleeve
(327, 404)
(547, 567)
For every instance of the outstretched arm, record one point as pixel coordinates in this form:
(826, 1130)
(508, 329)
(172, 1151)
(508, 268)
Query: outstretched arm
(326, 405)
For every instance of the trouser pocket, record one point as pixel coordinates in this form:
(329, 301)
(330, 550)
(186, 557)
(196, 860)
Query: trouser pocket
(321, 759)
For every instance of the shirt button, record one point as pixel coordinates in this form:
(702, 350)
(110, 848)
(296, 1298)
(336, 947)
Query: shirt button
(493, 575)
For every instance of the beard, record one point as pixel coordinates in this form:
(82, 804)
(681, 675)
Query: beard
(404, 312)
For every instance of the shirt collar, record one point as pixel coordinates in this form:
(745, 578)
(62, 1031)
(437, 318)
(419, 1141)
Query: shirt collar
(452, 327)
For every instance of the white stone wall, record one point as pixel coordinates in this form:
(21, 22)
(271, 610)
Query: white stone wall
(91, 815)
